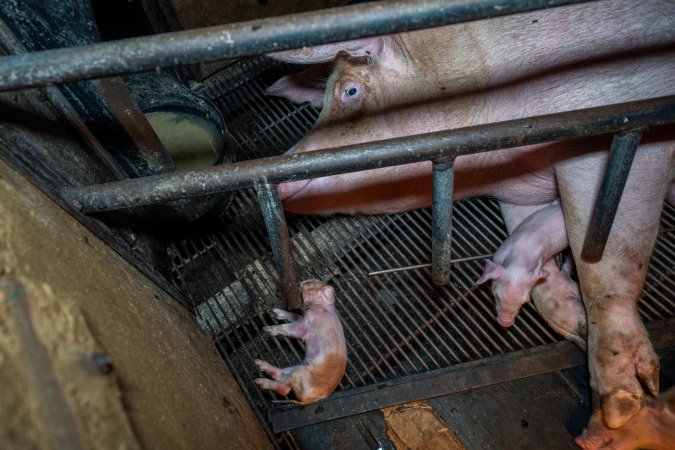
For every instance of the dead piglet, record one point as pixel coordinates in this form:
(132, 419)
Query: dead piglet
(652, 427)
(517, 266)
(325, 347)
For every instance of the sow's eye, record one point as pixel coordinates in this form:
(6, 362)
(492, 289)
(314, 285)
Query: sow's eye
(350, 92)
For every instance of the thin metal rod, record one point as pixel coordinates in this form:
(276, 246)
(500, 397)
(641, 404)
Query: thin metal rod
(248, 38)
(422, 266)
(619, 162)
(442, 181)
(277, 230)
(371, 155)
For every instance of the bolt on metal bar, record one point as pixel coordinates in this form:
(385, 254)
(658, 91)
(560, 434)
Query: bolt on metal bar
(277, 230)
(371, 155)
(443, 176)
(619, 162)
(249, 38)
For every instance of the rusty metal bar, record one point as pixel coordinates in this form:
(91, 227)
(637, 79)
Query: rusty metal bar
(119, 99)
(11, 44)
(443, 177)
(390, 152)
(277, 230)
(249, 38)
(619, 162)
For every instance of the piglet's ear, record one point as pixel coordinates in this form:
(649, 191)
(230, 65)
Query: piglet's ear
(370, 47)
(538, 273)
(328, 294)
(305, 86)
(492, 272)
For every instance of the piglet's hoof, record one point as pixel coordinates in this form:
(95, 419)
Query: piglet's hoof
(652, 427)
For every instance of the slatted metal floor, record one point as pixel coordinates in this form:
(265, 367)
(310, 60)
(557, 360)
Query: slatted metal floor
(397, 324)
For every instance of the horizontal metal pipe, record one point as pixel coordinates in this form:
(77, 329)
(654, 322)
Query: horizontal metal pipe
(371, 155)
(248, 38)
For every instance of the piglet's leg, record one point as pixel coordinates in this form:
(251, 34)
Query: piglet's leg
(293, 329)
(619, 351)
(274, 372)
(280, 314)
(653, 427)
(280, 387)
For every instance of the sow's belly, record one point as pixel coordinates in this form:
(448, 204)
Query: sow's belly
(521, 176)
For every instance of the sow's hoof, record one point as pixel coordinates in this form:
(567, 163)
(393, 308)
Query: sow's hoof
(620, 356)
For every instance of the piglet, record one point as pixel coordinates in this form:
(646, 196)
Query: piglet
(325, 347)
(518, 263)
(652, 427)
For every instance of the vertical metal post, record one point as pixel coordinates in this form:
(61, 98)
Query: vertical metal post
(277, 230)
(443, 175)
(620, 159)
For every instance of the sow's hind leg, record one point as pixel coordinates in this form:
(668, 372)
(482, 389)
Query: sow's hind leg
(619, 351)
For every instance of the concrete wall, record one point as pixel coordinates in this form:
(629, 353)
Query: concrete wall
(65, 295)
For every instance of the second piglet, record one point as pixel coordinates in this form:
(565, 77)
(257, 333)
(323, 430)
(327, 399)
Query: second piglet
(518, 263)
(325, 347)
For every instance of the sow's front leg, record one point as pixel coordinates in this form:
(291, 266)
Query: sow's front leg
(557, 297)
(619, 351)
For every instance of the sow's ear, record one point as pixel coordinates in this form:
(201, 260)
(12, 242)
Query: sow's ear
(305, 86)
(368, 47)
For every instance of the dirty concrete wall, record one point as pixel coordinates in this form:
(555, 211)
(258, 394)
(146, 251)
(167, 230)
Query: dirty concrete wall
(65, 296)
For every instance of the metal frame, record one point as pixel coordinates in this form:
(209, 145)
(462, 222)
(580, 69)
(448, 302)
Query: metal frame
(249, 38)
(441, 147)
(254, 37)
(331, 25)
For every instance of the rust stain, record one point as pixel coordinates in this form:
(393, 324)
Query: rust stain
(416, 426)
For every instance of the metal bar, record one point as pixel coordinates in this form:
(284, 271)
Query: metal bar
(619, 162)
(371, 155)
(443, 176)
(462, 377)
(277, 230)
(249, 38)
(119, 99)
(12, 44)
(422, 266)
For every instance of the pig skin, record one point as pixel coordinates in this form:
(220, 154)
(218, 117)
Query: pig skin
(517, 265)
(506, 68)
(325, 347)
(557, 298)
(653, 427)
